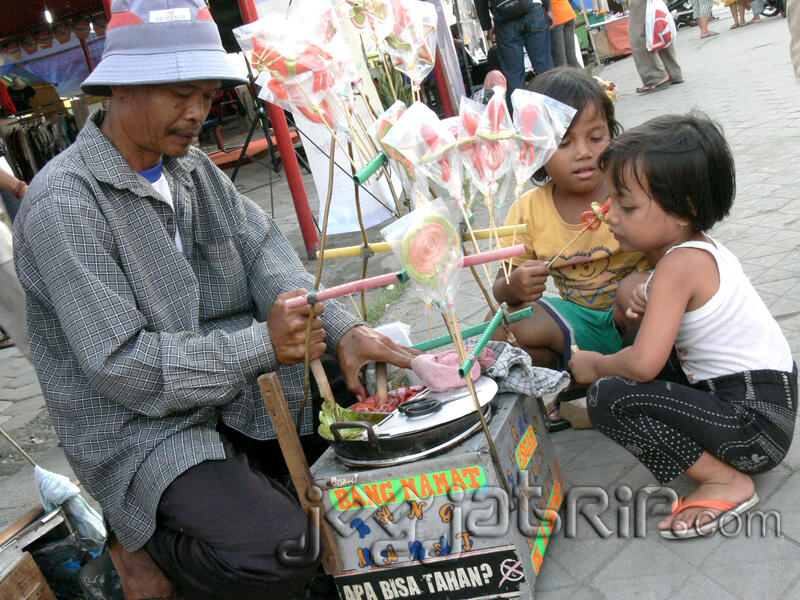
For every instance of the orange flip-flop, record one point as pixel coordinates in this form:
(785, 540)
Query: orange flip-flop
(729, 510)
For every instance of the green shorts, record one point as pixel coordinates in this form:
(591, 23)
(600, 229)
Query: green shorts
(588, 328)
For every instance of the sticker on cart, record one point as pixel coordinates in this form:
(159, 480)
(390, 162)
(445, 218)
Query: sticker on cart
(525, 449)
(546, 526)
(490, 573)
(412, 488)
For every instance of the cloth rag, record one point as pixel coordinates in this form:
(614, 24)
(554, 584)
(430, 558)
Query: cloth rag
(514, 372)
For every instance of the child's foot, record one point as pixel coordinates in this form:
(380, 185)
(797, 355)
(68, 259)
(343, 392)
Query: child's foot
(733, 486)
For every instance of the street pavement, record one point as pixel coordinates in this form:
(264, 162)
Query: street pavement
(741, 78)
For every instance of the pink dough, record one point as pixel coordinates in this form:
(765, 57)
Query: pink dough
(440, 371)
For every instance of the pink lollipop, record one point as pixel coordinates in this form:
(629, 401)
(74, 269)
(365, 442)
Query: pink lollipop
(528, 116)
(435, 143)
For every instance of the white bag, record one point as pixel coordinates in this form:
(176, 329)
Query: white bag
(659, 28)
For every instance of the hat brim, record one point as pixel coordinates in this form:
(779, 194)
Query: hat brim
(142, 69)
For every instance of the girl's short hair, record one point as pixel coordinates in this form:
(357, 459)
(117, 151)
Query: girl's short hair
(682, 161)
(576, 88)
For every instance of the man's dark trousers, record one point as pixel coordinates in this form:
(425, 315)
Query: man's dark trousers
(530, 33)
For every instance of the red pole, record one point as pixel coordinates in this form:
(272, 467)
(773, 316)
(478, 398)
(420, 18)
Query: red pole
(87, 55)
(286, 149)
(441, 85)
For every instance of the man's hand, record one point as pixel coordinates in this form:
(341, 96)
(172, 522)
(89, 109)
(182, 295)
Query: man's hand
(287, 329)
(551, 17)
(362, 345)
(583, 366)
(637, 303)
(490, 36)
(528, 280)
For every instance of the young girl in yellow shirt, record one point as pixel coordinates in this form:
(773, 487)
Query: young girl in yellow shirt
(587, 273)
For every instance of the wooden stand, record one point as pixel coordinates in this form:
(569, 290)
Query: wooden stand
(289, 441)
(23, 580)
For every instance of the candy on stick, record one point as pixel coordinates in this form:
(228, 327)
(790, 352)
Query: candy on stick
(303, 63)
(592, 219)
(540, 123)
(412, 41)
(375, 15)
(429, 247)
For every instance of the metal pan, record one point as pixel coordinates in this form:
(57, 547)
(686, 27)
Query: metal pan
(377, 451)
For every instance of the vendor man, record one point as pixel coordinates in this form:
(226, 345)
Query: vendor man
(155, 297)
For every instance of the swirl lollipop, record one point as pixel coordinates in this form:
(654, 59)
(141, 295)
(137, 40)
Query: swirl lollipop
(429, 247)
(592, 219)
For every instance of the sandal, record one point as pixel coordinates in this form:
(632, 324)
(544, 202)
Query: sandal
(554, 425)
(571, 405)
(5, 342)
(709, 34)
(730, 511)
(649, 89)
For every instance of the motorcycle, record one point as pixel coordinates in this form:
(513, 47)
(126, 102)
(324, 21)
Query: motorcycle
(773, 7)
(682, 12)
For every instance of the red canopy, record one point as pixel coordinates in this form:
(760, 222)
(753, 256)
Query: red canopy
(19, 18)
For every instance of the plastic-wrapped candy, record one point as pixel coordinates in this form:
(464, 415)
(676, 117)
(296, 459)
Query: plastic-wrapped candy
(540, 124)
(375, 15)
(412, 41)
(303, 63)
(486, 142)
(403, 147)
(429, 247)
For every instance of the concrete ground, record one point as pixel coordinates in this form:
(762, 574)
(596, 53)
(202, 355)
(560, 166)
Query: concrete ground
(741, 78)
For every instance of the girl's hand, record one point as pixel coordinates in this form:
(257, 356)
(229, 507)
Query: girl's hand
(637, 303)
(528, 280)
(583, 366)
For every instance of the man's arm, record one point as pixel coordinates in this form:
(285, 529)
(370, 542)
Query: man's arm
(66, 261)
(482, 8)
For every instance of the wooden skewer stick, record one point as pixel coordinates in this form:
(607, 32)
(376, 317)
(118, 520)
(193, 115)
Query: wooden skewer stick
(309, 495)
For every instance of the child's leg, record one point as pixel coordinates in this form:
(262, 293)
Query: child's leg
(539, 335)
(715, 438)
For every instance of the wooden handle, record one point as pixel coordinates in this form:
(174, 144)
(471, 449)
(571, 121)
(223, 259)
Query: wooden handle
(321, 378)
(382, 381)
(295, 458)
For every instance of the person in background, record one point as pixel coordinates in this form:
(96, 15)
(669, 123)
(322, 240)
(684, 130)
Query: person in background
(737, 12)
(658, 69)
(21, 94)
(562, 35)
(12, 298)
(702, 13)
(518, 26)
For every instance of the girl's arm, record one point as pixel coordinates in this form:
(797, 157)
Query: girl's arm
(676, 281)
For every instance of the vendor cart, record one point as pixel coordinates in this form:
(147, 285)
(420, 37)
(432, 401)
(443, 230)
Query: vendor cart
(443, 526)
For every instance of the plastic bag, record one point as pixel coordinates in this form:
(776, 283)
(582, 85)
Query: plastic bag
(429, 247)
(303, 63)
(401, 144)
(659, 27)
(540, 123)
(412, 41)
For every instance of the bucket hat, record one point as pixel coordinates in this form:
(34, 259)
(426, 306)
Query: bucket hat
(160, 41)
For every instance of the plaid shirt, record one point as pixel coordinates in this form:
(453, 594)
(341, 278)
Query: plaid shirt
(141, 348)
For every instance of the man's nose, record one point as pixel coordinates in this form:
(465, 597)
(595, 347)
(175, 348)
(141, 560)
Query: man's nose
(197, 108)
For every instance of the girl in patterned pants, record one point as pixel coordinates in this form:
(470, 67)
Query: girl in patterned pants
(729, 410)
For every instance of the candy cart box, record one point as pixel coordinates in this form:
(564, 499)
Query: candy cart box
(444, 526)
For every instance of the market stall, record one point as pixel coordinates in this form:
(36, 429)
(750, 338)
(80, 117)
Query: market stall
(448, 488)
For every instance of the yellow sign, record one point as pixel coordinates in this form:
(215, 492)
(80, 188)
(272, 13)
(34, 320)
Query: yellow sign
(402, 489)
(526, 447)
